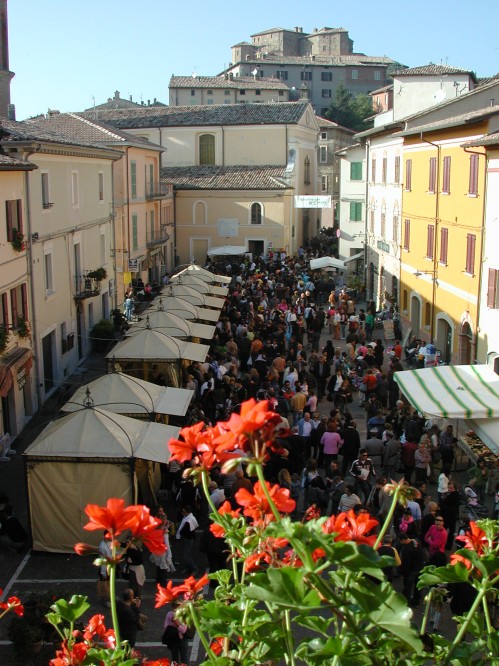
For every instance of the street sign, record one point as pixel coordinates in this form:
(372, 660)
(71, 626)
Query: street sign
(313, 201)
(133, 265)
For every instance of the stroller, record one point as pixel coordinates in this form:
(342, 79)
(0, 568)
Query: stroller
(474, 508)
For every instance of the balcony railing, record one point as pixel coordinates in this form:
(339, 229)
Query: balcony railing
(86, 287)
(156, 236)
(156, 190)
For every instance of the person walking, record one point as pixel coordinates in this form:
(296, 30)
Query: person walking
(186, 534)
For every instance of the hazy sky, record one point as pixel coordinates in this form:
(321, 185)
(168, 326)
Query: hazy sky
(65, 53)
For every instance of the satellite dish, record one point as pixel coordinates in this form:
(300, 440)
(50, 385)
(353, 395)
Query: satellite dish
(439, 96)
(194, 74)
(255, 72)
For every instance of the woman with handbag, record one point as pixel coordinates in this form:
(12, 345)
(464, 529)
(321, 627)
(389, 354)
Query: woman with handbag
(175, 636)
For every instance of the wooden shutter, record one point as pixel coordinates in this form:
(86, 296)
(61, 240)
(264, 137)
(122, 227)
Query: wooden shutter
(373, 170)
(473, 188)
(491, 290)
(8, 214)
(433, 174)
(470, 254)
(385, 169)
(5, 310)
(430, 241)
(407, 234)
(444, 243)
(408, 175)
(24, 300)
(446, 175)
(397, 170)
(13, 306)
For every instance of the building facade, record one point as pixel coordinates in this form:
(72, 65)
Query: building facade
(226, 89)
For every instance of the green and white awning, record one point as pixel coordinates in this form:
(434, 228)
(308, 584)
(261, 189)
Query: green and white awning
(460, 391)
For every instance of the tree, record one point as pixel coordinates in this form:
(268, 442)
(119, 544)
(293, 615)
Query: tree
(350, 111)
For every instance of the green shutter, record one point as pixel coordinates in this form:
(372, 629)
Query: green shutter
(133, 177)
(356, 171)
(355, 211)
(135, 232)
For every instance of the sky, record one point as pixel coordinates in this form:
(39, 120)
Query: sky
(66, 54)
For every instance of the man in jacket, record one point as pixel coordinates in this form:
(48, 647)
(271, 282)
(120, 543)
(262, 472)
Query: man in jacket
(413, 560)
(186, 534)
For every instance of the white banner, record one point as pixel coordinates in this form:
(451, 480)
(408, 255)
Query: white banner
(313, 201)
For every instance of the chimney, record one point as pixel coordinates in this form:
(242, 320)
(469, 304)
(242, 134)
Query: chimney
(116, 94)
(11, 112)
(297, 29)
(53, 112)
(148, 102)
(155, 101)
(131, 98)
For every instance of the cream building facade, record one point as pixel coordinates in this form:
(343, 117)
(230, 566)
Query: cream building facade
(226, 89)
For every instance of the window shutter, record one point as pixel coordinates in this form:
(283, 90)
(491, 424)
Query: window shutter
(444, 241)
(24, 299)
(407, 234)
(470, 254)
(397, 169)
(13, 306)
(433, 172)
(473, 187)
(446, 175)
(491, 291)
(8, 213)
(430, 241)
(5, 310)
(408, 175)
(373, 170)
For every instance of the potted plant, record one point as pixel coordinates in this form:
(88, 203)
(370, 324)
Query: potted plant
(18, 240)
(98, 274)
(4, 338)
(101, 334)
(23, 327)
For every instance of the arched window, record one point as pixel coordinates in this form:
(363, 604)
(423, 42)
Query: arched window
(404, 300)
(206, 149)
(199, 213)
(427, 314)
(256, 213)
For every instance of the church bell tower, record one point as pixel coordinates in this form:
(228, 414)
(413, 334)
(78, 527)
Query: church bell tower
(5, 74)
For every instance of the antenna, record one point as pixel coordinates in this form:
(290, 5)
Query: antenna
(255, 72)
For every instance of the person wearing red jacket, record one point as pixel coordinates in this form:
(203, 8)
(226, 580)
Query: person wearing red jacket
(436, 537)
(407, 457)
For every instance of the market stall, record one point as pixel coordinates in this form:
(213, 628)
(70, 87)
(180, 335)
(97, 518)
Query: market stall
(204, 274)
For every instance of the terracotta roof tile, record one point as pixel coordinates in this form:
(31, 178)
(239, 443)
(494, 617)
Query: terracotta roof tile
(226, 178)
(263, 83)
(430, 70)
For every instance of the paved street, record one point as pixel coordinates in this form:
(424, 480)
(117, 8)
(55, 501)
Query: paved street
(63, 575)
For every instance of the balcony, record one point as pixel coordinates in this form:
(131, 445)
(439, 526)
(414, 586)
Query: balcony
(85, 286)
(155, 237)
(156, 190)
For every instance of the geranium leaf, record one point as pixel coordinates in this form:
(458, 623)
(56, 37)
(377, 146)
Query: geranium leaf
(284, 587)
(452, 573)
(314, 622)
(71, 610)
(394, 616)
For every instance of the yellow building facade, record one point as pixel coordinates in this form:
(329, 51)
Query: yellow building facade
(442, 235)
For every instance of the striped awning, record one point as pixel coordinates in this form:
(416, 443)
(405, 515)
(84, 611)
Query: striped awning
(460, 391)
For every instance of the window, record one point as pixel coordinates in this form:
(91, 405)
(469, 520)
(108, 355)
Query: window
(383, 225)
(242, 92)
(384, 170)
(326, 76)
(446, 175)
(430, 241)
(151, 179)
(4, 311)
(74, 188)
(45, 191)
(18, 304)
(408, 175)
(324, 183)
(306, 75)
(227, 92)
(397, 170)
(492, 290)
(371, 221)
(282, 74)
(256, 213)
(427, 314)
(473, 187)
(306, 171)
(193, 93)
(258, 92)
(355, 73)
(323, 154)
(103, 255)
(133, 178)
(355, 211)
(210, 101)
(377, 75)
(355, 170)
(326, 92)
(281, 93)
(407, 235)
(470, 253)
(49, 274)
(323, 135)
(405, 300)
(209, 92)
(13, 213)
(444, 244)
(135, 232)
(395, 229)
(432, 178)
(101, 186)
(206, 149)
(373, 170)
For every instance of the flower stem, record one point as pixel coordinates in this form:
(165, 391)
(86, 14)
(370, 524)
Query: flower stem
(464, 627)
(112, 594)
(486, 613)
(194, 616)
(426, 611)
(290, 659)
(388, 518)
(206, 490)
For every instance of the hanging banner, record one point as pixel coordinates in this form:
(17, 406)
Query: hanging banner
(313, 201)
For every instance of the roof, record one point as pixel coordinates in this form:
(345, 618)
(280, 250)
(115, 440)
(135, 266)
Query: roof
(324, 123)
(431, 70)
(226, 178)
(487, 140)
(248, 82)
(75, 126)
(12, 164)
(353, 60)
(209, 115)
(461, 119)
(383, 89)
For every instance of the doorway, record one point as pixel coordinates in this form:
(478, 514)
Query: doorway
(256, 247)
(415, 315)
(444, 340)
(465, 339)
(199, 250)
(48, 347)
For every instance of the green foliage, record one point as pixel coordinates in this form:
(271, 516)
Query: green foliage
(101, 334)
(350, 111)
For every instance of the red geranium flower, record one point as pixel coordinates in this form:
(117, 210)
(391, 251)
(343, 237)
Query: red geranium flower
(192, 586)
(14, 604)
(146, 528)
(95, 626)
(349, 527)
(114, 517)
(257, 506)
(183, 450)
(475, 539)
(217, 645)
(165, 595)
(158, 662)
(254, 415)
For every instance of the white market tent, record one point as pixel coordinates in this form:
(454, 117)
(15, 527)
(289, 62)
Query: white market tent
(326, 263)
(227, 251)
(204, 274)
(468, 392)
(193, 296)
(171, 324)
(199, 285)
(122, 394)
(84, 458)
(183, 308)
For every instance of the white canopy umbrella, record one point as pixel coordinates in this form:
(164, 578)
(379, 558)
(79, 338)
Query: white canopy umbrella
(204, 274)
(193, 296)
(200, 285)
(122, 394)
(152, 345)
(183, 308)
(227, 251)
(171, 324)
(325, 263)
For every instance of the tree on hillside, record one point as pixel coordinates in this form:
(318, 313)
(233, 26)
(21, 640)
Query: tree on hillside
(350, 111)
